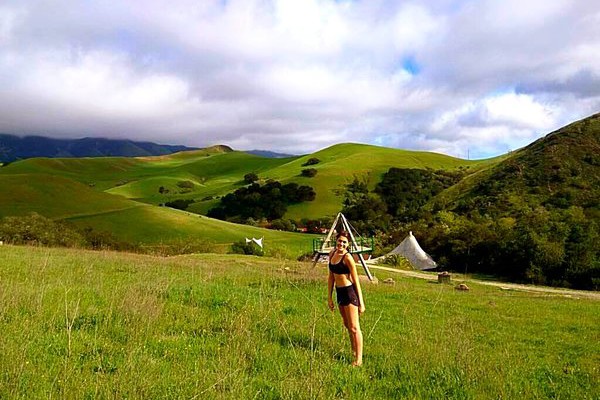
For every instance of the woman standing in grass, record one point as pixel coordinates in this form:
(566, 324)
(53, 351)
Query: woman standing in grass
(342, 273)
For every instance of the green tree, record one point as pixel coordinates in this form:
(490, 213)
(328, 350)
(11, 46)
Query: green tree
(283, 225)
(309, 172)
(250, 177)
(367, 211)
(311, 161)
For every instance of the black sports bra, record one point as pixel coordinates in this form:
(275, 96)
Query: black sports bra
(340, 268)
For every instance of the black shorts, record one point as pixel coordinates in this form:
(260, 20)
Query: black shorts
(347, 295)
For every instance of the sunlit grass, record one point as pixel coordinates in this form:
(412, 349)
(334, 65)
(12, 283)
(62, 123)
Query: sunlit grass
(150, 226)
(82, 324)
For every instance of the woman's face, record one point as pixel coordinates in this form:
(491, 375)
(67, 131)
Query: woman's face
(342, 243)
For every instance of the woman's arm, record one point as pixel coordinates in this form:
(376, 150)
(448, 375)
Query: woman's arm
(349, 261)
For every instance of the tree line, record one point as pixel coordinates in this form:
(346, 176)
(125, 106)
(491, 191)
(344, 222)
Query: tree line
(255, 201)
(543, 243)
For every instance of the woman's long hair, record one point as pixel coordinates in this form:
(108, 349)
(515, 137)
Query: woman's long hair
(344, 234)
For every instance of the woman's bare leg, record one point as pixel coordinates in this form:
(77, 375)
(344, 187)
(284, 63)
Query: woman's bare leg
(352, 324)
(355, 334)
(346, 318)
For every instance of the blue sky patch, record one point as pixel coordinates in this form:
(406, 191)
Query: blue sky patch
(410, 65)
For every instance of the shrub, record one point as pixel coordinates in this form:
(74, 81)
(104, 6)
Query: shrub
(250, 177)
(311, 161)
(283, 225)
(251, 221)
(241, 247)
(315, 225)
(102, 240)
(179, 204)
(268, 201)
(396, 260)
(36, 229)
(185, 184)
(309, 172)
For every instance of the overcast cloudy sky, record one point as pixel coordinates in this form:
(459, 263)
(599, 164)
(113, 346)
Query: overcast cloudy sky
(295, 76)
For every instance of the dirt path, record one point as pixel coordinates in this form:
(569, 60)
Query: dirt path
(502, 285)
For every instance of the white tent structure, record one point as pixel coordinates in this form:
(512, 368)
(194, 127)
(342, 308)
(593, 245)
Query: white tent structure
(410, 249)
(257, 241)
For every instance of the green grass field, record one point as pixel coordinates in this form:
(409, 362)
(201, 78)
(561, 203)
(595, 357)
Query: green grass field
(140, 177)
(83, 324)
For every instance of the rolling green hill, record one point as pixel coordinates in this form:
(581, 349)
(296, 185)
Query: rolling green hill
(213, 172)
(534, 216)
(529, 215)
(120, 195)
(152, 226)
(558, 171)
(130, 221)
(339, 164)
(54, 197)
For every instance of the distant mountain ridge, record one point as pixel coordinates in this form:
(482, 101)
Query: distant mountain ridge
(269, 154)
(15, 148)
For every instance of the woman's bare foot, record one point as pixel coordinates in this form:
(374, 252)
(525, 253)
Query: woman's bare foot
(357, 363)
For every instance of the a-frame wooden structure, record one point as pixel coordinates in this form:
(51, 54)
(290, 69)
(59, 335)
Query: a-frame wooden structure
(354, 247)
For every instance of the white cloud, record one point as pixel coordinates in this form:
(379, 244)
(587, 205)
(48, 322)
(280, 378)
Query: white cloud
(105, 83)
(8, 19)
(442, 75)
(518, 110)
(412, 27)
(311, 25)
(495, 124)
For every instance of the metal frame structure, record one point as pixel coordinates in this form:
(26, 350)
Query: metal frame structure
(354, 247)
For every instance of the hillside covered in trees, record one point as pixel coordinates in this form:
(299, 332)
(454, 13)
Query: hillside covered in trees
(532, 217)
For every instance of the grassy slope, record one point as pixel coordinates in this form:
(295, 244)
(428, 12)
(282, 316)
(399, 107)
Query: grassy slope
(339, 164)
(217, 173)
(159, 225)
(565, 163)
(61, 198)
(211, 176)
(102, 173)
(54, 197)
(117, 173)
(80, 324)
